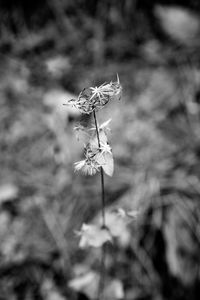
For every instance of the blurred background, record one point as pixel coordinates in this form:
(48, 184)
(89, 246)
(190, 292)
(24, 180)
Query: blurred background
(49, 51)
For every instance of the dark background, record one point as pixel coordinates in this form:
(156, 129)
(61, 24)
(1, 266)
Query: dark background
(51, 50)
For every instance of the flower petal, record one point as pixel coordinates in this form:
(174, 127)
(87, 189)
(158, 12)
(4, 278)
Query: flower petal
(94, 236)
(106, 161)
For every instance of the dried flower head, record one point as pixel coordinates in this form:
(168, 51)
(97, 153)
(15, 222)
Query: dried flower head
(87, 166)
(97, 156)
(95, 98)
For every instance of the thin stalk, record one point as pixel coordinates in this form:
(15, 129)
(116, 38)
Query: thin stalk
(102, 176)
(102, 274)
(103, 253)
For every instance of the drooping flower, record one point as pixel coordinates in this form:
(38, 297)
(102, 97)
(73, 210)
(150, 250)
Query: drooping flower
(95, 98)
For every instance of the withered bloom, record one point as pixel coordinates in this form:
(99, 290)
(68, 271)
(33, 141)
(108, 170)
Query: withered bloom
(95, 98)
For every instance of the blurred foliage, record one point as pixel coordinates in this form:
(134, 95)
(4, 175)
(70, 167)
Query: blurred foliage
(49, 51)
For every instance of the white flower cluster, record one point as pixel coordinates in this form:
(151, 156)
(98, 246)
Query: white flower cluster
(95, 98)
(97, 156)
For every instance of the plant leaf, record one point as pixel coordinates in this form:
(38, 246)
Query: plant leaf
(94, 141)
(106, 161)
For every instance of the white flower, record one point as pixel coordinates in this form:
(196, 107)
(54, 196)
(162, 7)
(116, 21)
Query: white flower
(105, 148)
(94, 98)
(79, 165)
(87, 167)
(92, 235)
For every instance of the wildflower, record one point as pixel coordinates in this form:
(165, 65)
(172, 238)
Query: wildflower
(106, 92)
(118, 227)
(79, 165)
(94, 143)
(95, 98)
(92, 235)
(101, 155)
(96, 157)
(105, 160)
(105, 148)
(87, 166)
